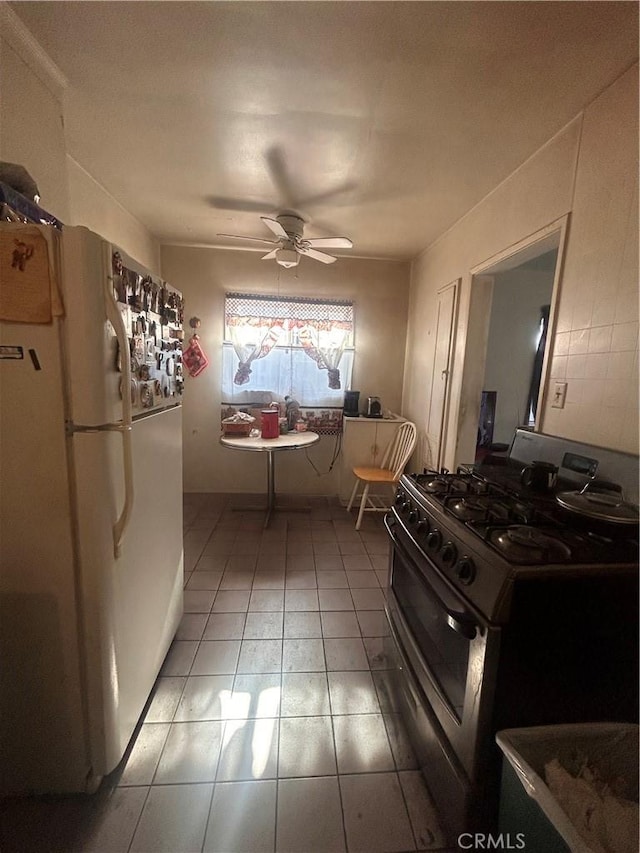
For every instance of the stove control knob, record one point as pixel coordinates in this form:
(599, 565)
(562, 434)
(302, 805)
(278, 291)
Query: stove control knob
(399, 499)
(434, 540)
(422, 527)
(406, 506)
(449, 554)
(413, 516)
(466, 570)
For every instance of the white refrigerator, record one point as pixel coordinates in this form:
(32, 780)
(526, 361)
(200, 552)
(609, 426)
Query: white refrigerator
(91, 560)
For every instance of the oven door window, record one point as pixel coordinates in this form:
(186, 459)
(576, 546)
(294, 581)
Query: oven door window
(444, 650)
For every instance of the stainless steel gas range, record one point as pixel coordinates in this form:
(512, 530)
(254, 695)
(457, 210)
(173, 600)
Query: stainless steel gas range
(506, 610)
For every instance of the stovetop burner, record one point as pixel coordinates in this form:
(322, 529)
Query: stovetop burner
(436, 484)
(467, 508)
(445, 483)
(522, 528)
(529, 545)
(495, 506)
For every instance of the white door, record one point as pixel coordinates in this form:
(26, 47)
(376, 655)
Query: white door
(440, 377)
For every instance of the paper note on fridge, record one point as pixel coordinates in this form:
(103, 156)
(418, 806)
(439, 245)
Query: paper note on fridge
(28, 281)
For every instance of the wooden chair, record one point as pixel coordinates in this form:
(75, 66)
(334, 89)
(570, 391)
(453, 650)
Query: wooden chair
(395, 458)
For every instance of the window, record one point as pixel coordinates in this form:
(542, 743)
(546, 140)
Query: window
(287, 346)
(536, 378)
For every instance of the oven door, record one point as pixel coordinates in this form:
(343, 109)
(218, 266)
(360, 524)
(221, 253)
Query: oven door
(451, 650)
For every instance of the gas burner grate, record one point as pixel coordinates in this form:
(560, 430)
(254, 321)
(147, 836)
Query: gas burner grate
(529, 545)
(495, 507)
(508, 509)
(437, 484)
(467, 507)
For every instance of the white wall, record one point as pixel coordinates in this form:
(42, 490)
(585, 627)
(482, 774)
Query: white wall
(93, 206)
(32, 134)
(31, 114)
(596, 344)
(588, 170)
(379, 290)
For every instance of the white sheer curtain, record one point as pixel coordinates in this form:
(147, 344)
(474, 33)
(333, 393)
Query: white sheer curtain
(288, 371)
(325, 345)
(287, 346)
(252, 338)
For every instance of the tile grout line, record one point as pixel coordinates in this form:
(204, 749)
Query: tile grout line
(135, 829)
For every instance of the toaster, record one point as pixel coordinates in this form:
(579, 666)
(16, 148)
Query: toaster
(374, 407)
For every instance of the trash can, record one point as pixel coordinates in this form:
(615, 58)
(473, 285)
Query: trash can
(570, 788)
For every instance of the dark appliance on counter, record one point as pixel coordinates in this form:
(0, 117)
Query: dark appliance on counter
(507, 611)
(374, 407)
(351, 404)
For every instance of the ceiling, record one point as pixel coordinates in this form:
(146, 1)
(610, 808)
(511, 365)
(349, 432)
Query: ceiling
(381, 121)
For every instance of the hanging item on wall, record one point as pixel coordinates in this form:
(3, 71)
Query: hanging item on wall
(193, 356)
(29, 291)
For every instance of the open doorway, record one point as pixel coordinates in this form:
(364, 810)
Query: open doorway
(511, 320)
(518, 329)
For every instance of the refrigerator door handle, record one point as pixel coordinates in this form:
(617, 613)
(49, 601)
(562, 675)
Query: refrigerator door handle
(72, 427)
(115, 318)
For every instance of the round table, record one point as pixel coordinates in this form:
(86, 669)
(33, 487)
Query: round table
(271, 446)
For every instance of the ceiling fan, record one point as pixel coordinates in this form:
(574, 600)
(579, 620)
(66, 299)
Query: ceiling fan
(290, 244)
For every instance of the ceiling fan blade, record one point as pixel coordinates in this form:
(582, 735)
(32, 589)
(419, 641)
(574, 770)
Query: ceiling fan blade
(278, 171)
(329, 243)
(318, 256)
(275, 226)
(239, 204)
(270, 255)
(346, 187)
(242, 237)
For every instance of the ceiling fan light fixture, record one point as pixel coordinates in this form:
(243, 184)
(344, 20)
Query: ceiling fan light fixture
(287, 258)
(288, 229)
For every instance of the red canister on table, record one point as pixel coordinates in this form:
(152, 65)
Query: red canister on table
(270, 423)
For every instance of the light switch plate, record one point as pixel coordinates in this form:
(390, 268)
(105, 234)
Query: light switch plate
(559, 395)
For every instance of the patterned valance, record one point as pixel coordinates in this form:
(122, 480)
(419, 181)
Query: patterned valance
(288, 308)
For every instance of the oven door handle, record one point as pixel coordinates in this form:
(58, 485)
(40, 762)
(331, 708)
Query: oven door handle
(461, 622)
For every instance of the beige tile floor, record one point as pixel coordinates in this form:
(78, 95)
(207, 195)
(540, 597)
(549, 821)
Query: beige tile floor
(270, 727)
